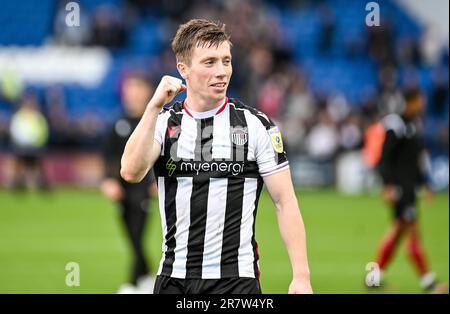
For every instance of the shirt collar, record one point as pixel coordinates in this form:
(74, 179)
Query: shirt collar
(204, 114)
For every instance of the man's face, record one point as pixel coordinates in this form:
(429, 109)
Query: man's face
(416, 106)
(136, 94)
(210, 71)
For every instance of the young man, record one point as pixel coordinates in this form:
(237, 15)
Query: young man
(133, 199)
(403, 169)
(211, 156)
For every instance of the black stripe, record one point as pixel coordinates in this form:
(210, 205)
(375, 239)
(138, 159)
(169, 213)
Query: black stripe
(238, 121)
(197, 228)
(203, 142)
(199, 201)
(170, 185)
(207, 138)
(174, 121)
(267, 123)
(198, 141)
(254, 243)
(232, 228)
(235, 195)
(171, 220)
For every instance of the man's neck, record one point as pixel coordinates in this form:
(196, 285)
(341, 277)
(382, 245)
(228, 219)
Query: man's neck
(199, 104)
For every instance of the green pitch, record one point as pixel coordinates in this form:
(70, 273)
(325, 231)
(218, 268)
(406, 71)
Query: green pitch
(41, 233)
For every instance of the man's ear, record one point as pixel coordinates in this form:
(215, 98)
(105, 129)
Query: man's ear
(183, 69)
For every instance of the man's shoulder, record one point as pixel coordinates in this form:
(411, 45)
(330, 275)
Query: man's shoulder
(174, 107)
(394, 122)
(261, 116)
(238, 104)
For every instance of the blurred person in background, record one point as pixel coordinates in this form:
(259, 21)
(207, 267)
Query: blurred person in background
(28, 136)
(403, 168)
(327, 28)
(108, 27)
(300, 109)
(133, 199)
(322, 142)
(350, 134)
(439, 93)
(390, 96)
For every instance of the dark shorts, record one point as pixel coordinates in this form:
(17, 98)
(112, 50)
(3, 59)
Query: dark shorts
(405, 206)
(169, 285)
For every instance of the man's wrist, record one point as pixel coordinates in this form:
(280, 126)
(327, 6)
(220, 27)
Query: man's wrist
(153, 107)
(301, 276)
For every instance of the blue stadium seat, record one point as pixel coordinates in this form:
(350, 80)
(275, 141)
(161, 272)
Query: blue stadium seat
(29, 25)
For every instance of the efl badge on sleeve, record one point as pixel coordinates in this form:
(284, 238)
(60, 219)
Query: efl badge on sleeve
(275, 137)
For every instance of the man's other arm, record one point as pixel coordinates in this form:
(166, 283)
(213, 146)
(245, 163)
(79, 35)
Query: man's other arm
(292, 229)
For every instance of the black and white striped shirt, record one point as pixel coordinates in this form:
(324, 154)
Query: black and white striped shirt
(209, 179)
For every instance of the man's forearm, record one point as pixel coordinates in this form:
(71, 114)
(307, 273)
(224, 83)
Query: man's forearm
(293, 233)
(136, 158)
(141, 151)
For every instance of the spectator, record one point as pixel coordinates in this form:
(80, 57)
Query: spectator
(29, 135)
(108, 30)
(322, 141)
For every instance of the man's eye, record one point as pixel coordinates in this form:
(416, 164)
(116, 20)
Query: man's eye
(227, 62)
(209, 62)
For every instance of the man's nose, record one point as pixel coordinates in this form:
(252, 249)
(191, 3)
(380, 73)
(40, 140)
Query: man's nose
(220, 71)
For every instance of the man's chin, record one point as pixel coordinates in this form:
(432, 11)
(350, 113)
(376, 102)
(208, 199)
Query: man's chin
(219, 96)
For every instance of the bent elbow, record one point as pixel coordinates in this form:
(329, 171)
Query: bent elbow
(130, 176)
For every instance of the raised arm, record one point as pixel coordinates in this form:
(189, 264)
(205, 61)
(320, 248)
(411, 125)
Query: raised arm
(292, 229)
(141, 150)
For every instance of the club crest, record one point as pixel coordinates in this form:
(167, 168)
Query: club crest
(239, 135)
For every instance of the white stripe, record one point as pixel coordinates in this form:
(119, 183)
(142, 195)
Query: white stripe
(246, 257)
(186, 141)
(160, 129)
(253, 125)
(221, 145)
(162, 211)
(215, 220)
(183, 211)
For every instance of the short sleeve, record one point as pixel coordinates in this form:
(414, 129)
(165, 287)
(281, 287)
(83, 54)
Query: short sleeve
(270, 155)
(160, 127)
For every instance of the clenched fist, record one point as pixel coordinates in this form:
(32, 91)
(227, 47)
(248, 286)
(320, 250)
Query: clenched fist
(167, 89)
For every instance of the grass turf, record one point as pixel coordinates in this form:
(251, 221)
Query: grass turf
(41, 233)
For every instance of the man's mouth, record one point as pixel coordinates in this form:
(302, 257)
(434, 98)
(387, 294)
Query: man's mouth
(221, 85)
